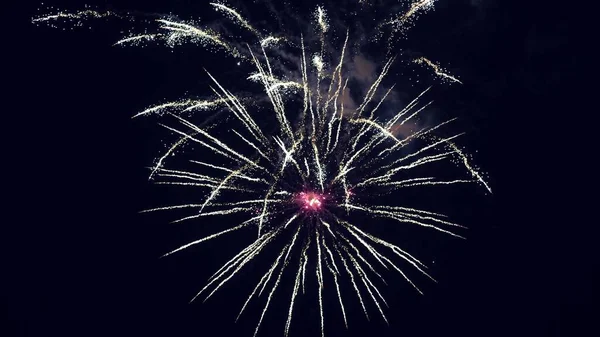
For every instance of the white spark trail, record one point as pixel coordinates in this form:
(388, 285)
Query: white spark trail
(294, 294)
(335, 274)
(404, 255)
(239, 111)
(353, 282)
(236, 258)
(374, 86)
(188, 105)
(277, 281)
(437, 69)
(473, 172)
(252, 145)
(203, 185)
(337, 134)
(410, 105)
(252, 254)
(78, 15)
(235, 172)
(337, 70)
(320, 174)
(221, 212)
(186, 174)
(181, 30)
(400, 218)
(221, 144)
(386, 177)
(235, 15)
(361, 257)
(269, 41)
(444, 140)
(320, 281)
(420, 133)
(305, 259)
(404, 184)
(137, 39)
(365, 279)
(264, 280)
(243, 224)
(187, 136)
(169, 152)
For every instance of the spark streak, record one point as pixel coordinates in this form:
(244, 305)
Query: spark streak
(88, 13)
(232, 13)
(437, 69)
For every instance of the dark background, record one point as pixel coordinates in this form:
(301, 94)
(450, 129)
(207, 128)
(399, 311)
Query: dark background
(81, 261)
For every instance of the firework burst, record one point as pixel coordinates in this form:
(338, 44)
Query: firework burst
(302, 173)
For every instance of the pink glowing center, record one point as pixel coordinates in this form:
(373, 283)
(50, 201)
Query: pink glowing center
(311, 201)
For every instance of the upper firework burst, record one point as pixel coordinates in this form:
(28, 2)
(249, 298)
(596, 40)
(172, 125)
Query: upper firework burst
(303, 182)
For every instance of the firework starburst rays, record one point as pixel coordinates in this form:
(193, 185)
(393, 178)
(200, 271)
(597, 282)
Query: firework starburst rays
(307, 169)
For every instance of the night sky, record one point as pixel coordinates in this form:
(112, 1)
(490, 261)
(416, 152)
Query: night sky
(86, 263)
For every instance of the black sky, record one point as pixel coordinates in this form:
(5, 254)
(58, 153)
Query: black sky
(83, 262)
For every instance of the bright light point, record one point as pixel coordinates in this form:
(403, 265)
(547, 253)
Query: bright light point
(311, 201)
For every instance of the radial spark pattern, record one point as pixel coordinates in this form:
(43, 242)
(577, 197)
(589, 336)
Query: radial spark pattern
(303, 171)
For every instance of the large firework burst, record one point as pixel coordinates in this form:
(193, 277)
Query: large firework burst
(302, 171)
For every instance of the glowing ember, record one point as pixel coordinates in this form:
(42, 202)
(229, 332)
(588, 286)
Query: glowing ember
(311, 201)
